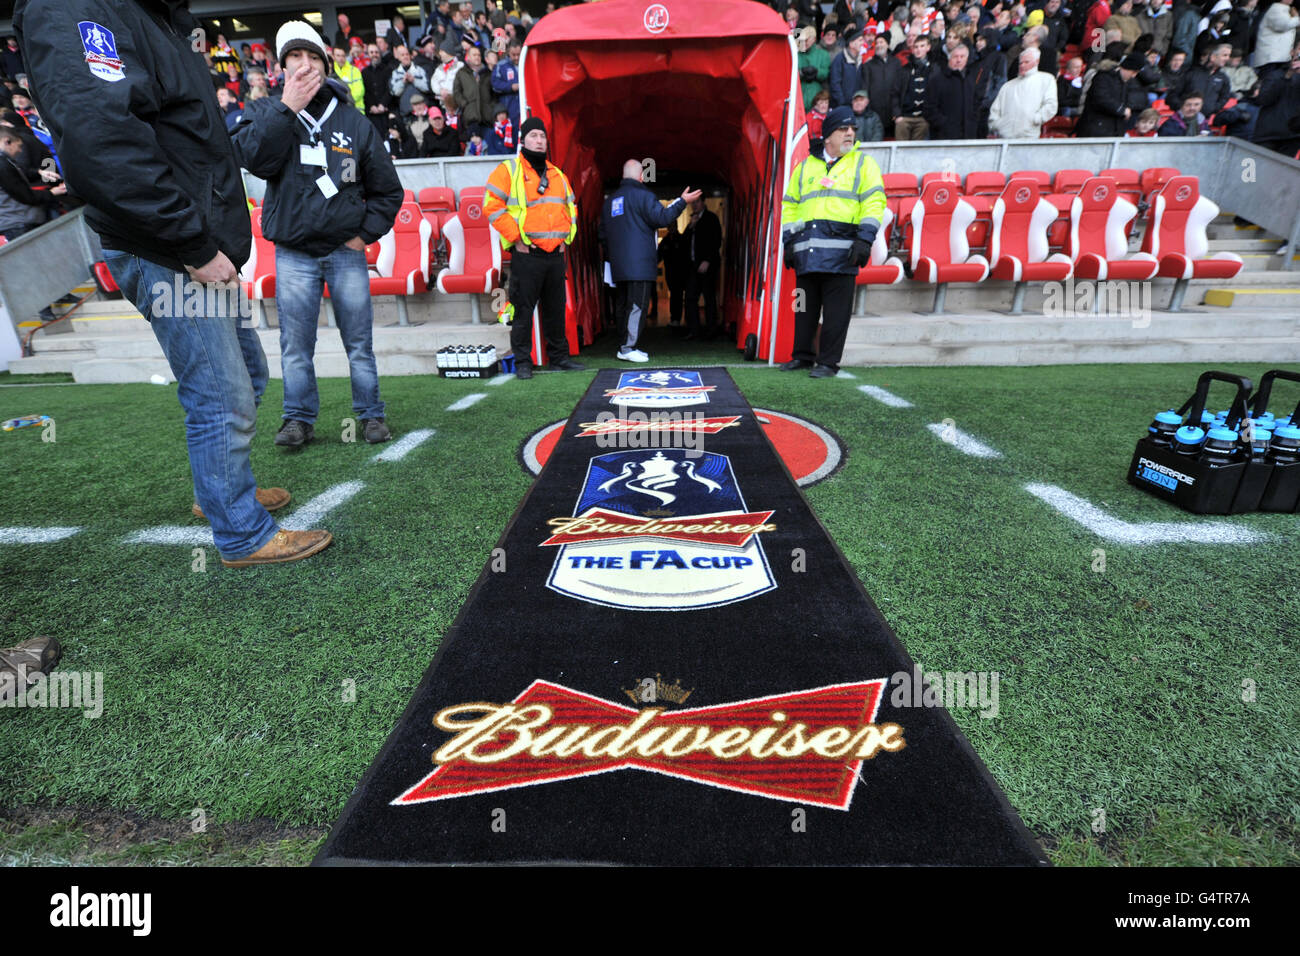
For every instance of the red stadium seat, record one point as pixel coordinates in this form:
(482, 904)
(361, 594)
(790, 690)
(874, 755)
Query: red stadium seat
(1039, 176)
(1099, 220)
(258, 273)
(977, 233)
(1069, 180)
(475, 253)
(985, 184)
(883, 269)
(1018, 248)
(899, 184)
(403, 261)
(1058, 233)
(940, 251)
(1177, 238)
(941, 177)
(471, 194)
(437, 199)
(1153, 180)
(1059, 127)
(1127, 181)
(408, 196)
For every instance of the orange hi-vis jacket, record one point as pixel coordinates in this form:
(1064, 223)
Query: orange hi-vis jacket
(550, 219)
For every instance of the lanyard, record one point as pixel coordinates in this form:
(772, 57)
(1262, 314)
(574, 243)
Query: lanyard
(314, 125)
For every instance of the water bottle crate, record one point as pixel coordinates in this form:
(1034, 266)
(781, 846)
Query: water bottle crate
(468, 361)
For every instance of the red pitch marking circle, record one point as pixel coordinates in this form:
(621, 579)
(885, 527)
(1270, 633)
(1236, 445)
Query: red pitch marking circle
(655, 18)
(808, 450)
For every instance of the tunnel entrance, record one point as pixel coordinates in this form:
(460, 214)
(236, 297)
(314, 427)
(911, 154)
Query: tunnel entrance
(700, 91)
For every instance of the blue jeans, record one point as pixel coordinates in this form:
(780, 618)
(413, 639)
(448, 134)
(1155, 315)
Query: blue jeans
(298, 288)
(221, 372)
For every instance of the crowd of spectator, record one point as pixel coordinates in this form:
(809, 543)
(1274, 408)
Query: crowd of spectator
(962, 69)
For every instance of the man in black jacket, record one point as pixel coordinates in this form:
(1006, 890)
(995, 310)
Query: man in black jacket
(129, 102)
(910, 123)
(331, 189)
(628, 223)
(1105, 109)
(703, 238)
(881, 72)
(950, 98)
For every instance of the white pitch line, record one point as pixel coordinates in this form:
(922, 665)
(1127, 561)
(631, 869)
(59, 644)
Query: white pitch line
(503, 377)
(884, 397)
(466, 402)
(404, 445)
(35, 535)
(962, 442)
(1151, 532)
(173, 535)
(843, 374)
(310, 514)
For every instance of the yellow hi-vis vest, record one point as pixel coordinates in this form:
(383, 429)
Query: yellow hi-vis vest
(518, 204)
(824, 211)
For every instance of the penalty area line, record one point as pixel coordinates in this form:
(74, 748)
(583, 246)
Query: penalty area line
(1152, 532)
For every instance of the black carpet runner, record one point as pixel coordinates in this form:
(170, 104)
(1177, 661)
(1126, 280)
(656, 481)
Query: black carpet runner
(670, 662)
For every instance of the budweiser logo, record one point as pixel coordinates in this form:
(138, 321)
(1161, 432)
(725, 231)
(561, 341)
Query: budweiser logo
(804, 747)
(732, 528)
(643, 392)
(657, 423)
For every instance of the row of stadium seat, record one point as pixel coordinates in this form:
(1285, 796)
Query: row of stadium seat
(1065, 181)
(1027, 236)
(402, 260)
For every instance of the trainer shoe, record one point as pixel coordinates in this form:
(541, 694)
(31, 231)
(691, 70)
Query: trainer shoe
(37, 655)
(822, 371)
(376, 430)
(285, 546)
(568, 365)
(794, 365)
(272, 499)
(523, 371)
(294, 434)
(633, 355)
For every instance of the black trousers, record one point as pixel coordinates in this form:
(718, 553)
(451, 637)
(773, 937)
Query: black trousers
(697, 285)
(829, 297)
(537, 281)
(631, 298)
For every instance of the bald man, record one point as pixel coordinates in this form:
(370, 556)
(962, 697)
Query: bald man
(628, 224)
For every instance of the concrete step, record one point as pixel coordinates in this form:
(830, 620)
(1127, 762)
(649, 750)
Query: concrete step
(1243, 246)
(48, 362)
(118, 372)
(1208, 351)
(1284, 297)
(993, 327)
(1268, 262)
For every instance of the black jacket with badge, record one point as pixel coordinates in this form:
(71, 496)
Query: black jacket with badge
(296, 213)
(136, 126)
(631, 218)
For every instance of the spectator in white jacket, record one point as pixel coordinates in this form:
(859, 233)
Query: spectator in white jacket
(407, 79)
(1024, 104)
(1277, 34)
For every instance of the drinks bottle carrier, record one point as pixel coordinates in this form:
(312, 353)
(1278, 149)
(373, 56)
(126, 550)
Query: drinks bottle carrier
(1230, 464)
(468, 361)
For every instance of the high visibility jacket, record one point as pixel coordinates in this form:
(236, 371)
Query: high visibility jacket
(824, 211)
(351, 76)
(514, 205)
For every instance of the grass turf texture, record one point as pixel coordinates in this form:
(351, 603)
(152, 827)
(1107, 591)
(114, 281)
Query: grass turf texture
(1121, 691)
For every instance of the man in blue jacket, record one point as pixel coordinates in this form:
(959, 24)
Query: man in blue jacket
(629, 222)
(331, 190)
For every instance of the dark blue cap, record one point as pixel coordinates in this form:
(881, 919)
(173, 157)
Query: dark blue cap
(837, 118)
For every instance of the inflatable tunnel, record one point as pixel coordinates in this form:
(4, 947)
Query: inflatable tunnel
(706, 91)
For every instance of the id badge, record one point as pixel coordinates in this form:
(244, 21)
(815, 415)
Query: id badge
(827, 182)
(326, 185)
(312, 155)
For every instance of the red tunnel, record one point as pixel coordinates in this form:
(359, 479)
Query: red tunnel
(700, 87)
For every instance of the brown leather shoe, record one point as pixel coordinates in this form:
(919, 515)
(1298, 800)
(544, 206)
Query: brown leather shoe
(272, 499)
(285, 546)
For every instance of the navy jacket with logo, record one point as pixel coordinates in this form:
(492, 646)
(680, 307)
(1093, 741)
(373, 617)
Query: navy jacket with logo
(295, 213)
(631, 217)
(136, 125)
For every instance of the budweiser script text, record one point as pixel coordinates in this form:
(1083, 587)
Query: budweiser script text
(490, 733)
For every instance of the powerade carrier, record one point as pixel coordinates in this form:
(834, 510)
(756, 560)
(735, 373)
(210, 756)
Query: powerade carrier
(1199, 464)
(1282, 452)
